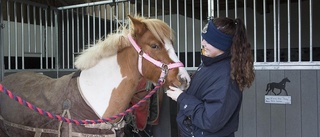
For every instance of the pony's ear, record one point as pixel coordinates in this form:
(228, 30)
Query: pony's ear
(138, 27)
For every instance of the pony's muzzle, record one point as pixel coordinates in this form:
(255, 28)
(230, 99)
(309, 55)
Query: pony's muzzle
(184, 82)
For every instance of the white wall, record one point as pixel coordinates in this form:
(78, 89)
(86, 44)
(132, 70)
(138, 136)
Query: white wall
(16, 42)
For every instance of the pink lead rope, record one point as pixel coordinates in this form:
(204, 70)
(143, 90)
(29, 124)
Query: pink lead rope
(164, 67)
(161, 65)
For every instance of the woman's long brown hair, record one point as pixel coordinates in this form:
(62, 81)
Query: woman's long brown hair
(241, 60)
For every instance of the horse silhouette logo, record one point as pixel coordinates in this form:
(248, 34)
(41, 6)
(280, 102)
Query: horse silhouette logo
(281, 86)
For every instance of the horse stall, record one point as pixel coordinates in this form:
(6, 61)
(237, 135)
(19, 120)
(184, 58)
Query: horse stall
(284, 100)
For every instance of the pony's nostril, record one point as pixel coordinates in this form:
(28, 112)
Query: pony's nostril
(183, 83)
(183, 79)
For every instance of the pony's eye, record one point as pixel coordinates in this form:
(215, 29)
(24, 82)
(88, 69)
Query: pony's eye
(154, 46)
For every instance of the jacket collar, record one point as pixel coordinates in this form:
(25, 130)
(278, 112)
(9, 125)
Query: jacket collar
(207, 61)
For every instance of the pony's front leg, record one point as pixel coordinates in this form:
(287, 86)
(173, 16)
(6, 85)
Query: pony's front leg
(286, 92)
(279, 92)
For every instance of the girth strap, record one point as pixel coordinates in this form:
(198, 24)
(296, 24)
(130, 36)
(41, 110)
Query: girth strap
(38, 131)
(69, 124)
(66, 106)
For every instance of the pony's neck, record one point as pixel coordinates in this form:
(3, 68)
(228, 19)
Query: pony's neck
(109, 86)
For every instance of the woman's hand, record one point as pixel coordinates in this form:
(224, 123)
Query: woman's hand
(173, 93)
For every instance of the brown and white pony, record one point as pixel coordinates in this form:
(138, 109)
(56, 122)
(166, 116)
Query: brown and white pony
(110, 72)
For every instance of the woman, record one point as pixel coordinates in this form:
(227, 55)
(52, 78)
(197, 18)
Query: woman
(210, 106)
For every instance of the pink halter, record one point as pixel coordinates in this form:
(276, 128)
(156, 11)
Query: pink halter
(164, 67)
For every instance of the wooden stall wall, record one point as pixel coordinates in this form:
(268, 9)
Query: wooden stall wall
(298, 119)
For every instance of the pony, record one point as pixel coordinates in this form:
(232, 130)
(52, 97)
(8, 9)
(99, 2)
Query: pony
(107, 77)
(281, 86)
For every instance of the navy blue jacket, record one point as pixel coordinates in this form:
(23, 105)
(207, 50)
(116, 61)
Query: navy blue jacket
(210, 106)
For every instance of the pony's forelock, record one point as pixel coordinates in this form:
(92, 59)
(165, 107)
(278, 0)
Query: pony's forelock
(159, 29)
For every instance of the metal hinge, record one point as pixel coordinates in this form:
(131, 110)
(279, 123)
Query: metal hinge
(2, 25)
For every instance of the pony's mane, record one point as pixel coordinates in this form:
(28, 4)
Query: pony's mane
(118, 40)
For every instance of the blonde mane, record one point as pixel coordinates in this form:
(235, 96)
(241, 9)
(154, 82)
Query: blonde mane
(118, 40)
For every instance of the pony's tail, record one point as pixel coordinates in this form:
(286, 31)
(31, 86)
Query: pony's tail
(268, 86)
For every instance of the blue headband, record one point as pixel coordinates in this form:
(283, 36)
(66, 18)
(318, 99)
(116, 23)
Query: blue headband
(215, 37)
